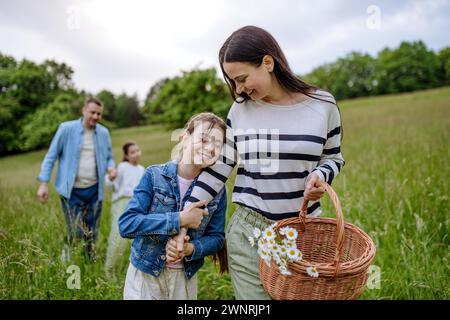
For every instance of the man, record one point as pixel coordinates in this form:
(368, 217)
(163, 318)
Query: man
(83, 150)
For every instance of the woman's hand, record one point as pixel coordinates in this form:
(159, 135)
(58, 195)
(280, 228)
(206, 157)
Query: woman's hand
(313, 190)
(175, 256)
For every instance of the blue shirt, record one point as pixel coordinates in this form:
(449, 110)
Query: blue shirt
(153, 216)
(65, 148)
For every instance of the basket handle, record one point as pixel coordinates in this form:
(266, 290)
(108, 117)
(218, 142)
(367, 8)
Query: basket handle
(339, 220)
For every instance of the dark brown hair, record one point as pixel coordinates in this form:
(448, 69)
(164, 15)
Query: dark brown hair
(250, 44)
(125, 148)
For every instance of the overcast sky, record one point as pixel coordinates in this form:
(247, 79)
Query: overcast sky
(129, 45)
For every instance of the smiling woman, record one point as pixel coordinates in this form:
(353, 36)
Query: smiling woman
(286, 134)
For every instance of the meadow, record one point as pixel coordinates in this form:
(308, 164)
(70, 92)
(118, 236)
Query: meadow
(394, 186)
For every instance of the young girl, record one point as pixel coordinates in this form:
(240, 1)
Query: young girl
(129, 173)
(287, 135)
(157, 270)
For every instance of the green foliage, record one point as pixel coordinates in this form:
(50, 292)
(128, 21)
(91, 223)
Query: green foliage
(444, 59)
(349, 77)
(39, 127)
(409, 67)
(174, 101)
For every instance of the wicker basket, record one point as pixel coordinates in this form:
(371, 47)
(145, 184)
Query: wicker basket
(340, 251)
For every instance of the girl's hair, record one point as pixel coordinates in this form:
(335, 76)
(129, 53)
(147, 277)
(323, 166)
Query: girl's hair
(193, 121)
(125, 148)
(221, 258)
(207, 117)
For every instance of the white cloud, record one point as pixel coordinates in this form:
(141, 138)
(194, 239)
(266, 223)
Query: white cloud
(129, 45)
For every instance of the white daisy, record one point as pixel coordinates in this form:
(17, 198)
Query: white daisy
(283, 250)
(277, 258)
(256, 233)
(291, 233)
(269, 233)
(262, 242)
(312, 271)
(288, 243)
(252, 241)
(293, 253)
(282, 231)
(285, 271)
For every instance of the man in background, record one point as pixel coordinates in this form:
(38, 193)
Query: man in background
(83, 150)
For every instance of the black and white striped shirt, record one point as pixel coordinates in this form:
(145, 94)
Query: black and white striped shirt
(275, 148)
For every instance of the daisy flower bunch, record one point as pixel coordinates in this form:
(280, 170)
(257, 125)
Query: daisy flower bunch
(279, 246)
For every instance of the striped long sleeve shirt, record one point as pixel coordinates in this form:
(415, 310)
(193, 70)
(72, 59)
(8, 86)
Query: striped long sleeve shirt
(275, 148)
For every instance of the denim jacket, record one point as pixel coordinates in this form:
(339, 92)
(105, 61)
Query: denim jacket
(65, 148)
(152, 217)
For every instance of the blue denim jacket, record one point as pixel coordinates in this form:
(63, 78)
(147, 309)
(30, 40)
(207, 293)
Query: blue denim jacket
(152, 217)
(65, 147)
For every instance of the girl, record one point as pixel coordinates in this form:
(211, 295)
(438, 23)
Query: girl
(287, 135)
(157, 270)
(129, 172)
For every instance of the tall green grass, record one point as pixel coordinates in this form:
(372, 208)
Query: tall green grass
(394, 185)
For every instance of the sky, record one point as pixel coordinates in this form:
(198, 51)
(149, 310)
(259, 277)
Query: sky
(127, 46)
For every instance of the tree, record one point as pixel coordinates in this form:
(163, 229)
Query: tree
(177, 99)
(409, 67)
(127, 111)
(109, 104)
(39, 127)
(444, 59)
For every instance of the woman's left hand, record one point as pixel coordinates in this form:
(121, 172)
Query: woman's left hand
(313, 190)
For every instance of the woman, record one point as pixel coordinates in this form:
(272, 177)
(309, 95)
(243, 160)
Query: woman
(287, 135)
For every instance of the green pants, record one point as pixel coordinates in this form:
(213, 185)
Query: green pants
(243, 259)
(116, 244)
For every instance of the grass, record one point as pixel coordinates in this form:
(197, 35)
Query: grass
(394, 186)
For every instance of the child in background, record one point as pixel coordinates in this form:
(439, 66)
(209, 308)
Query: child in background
(129, 173)
(153, 216)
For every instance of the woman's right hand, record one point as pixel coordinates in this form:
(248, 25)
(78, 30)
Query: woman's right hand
(192, 215)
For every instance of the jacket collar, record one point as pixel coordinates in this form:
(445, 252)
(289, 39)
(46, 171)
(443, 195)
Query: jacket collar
(170, 171)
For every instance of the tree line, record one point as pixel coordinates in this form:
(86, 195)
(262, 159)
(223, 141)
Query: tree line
(35, 98)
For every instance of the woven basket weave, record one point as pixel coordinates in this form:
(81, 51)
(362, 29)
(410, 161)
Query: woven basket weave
(340, 251)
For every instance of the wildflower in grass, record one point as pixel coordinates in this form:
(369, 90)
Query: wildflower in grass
(312, 271)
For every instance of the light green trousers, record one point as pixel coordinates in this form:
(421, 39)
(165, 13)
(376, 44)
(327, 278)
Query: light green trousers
(243, 259)
(116, 244)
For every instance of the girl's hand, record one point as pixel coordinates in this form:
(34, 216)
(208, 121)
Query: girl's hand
(313, 190)
(175, 256)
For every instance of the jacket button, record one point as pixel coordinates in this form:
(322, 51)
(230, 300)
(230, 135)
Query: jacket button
(163, 257)
(155, 272)
(174, 231)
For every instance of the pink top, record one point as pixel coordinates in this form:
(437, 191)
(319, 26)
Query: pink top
(184, 185)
